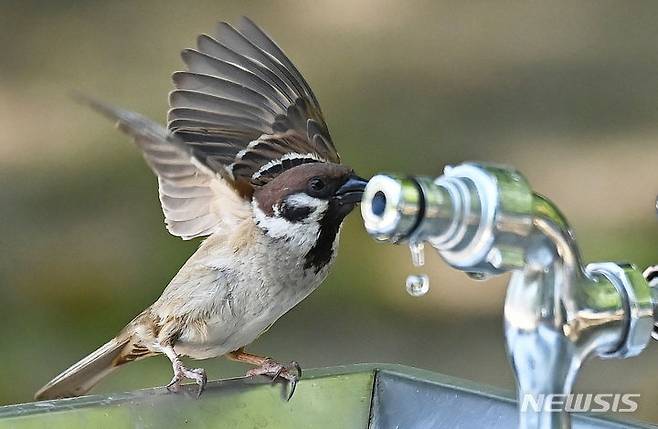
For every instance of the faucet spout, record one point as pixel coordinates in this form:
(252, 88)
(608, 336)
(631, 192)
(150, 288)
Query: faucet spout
(486, 220)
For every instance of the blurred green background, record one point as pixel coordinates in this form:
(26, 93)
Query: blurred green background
(565, 91)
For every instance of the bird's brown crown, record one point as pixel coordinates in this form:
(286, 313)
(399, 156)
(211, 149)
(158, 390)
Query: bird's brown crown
(319, 180)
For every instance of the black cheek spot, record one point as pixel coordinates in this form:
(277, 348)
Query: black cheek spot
(293, 213)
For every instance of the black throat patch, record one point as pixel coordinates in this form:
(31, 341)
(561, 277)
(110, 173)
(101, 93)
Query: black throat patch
(320, 254)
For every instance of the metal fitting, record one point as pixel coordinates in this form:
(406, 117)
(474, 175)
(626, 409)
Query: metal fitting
(638, 305)
(485, 219)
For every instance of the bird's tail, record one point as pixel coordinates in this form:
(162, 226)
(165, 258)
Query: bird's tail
(82, 376)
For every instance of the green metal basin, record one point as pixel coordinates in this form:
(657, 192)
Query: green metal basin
(357, 396)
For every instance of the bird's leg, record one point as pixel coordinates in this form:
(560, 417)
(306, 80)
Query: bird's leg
(181, 372)
(269, 367)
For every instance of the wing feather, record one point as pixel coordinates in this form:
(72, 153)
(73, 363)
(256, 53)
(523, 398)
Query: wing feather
(195, 200)
(240, 89)
(239, 115)
(198, 101)
(213, 48)
(201, 63)
(263, 41)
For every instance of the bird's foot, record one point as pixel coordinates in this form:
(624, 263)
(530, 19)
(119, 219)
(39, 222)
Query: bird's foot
(291, 372)
(181, 372)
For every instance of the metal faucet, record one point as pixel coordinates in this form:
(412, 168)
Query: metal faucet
(486, 220)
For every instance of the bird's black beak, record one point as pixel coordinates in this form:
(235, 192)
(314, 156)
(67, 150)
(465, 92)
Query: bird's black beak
(351, 191)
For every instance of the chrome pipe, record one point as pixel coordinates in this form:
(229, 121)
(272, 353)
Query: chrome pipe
(485, 220)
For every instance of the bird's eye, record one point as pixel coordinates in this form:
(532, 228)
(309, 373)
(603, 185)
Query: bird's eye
(316, 184)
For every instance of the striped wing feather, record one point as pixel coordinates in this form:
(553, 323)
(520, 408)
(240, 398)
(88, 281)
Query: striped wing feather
(196, 201)
(244, 110)
(241, 114)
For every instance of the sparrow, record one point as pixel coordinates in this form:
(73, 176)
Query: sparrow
(246, 160)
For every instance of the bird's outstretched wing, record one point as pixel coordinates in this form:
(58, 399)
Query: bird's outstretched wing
(196, 202)
(244, 110)
(240, 115)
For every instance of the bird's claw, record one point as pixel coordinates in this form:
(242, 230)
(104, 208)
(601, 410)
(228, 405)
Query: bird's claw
(198, 375)
(275, 370)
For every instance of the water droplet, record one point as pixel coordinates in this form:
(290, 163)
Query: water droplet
(418, 285)
(417, 249)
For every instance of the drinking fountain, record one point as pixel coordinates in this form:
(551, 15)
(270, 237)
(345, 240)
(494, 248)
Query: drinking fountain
(485, 220)
(482, 219)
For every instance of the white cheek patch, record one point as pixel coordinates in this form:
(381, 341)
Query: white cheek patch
(302, 235)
